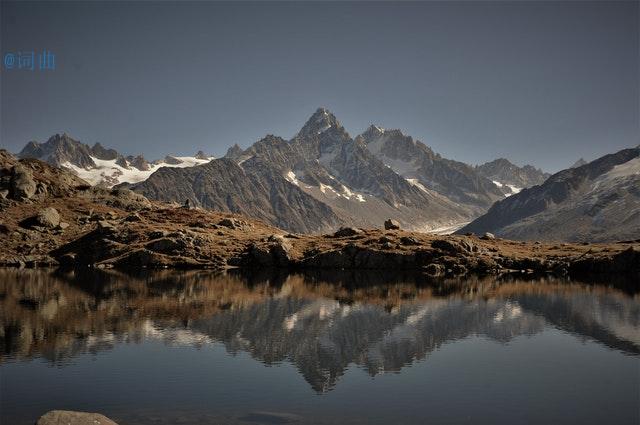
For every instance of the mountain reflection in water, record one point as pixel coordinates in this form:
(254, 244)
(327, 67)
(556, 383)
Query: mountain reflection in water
(322, 324)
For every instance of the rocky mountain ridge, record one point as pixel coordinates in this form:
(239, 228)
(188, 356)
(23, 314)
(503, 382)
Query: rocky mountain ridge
(319, 180)
(357, 180)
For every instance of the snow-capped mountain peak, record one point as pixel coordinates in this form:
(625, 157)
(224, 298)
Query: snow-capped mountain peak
(100, 165)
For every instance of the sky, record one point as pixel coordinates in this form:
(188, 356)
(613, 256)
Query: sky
(543, 83)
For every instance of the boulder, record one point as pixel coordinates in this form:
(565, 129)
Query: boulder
(276, 254)
(409, 240)
(434, 269)
(22, 185)
(48, 217)
(391, 224)
(231, 223)
(158, 234)
(459, 269)
(347, 231)
(167, 245)
(67, 417)
(133, 217)
(488, 236)
(446, 245)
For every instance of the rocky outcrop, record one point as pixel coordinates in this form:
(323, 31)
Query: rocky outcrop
(22, 185)
(390, 224)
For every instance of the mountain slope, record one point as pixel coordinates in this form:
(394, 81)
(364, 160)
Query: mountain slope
(598, 201)
(223, 185)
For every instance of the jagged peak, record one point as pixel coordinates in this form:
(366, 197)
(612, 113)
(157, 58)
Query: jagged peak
(234, 151)
(64, 137)
(321, 121)
(579, 163)
(502, 161)
(201, 155)
(373, 132)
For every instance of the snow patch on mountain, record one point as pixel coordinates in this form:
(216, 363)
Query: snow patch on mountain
(512, 188)
(417, 184)
(109, 173)
(292, 178)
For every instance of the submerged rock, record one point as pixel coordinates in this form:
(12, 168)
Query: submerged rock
(67, 417)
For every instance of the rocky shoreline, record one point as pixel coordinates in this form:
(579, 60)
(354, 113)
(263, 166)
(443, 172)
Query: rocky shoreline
(50, 217)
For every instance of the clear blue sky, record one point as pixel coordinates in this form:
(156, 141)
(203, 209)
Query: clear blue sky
(537, 82)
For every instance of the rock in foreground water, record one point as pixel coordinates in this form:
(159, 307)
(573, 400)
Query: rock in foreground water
(67, 417)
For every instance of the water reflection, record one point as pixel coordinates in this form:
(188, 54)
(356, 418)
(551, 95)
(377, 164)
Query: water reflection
(320, 323)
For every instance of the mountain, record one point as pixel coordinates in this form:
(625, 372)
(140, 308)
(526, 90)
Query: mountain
(511, 178)
(320, 179)
(427, 170)
(99, 165)
(598, 201)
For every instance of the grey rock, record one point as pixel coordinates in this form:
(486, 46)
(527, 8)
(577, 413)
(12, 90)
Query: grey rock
(48, 218)
(488, 236)
(22, 184)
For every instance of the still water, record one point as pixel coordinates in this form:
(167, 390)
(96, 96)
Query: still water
(203, 348)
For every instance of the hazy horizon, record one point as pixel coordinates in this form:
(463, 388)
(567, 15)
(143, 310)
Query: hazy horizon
(540, 83)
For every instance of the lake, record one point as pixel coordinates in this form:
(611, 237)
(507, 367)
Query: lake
(352, 348)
